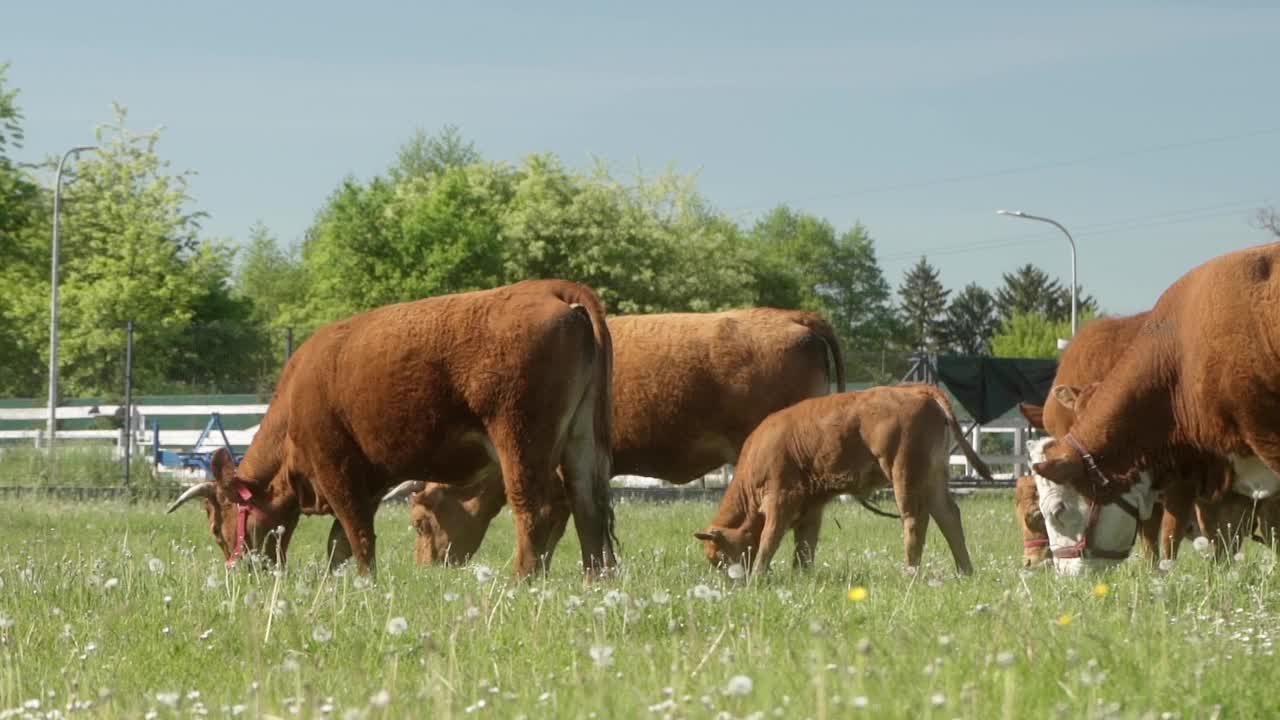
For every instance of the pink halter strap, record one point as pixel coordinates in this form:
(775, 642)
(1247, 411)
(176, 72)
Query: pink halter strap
(245, 507)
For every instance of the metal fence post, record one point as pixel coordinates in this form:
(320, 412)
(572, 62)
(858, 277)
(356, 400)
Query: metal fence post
(128, 399)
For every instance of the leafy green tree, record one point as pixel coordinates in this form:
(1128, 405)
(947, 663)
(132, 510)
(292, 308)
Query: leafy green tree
(923, 301)
(1032, 335)
(131, 240)
(793, 252)
(971, 321)
(270, 278)
(423, 156)
(23, 264)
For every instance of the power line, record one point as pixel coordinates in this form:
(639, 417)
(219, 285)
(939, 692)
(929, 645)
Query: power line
(1051, 165)
(1091, 230)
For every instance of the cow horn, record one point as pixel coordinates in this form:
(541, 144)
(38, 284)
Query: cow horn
(408, 487)
(204, 489)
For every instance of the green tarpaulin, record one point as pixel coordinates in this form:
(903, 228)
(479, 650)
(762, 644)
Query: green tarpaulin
(989, 387)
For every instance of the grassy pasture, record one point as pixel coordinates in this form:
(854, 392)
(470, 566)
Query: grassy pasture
(114, 610)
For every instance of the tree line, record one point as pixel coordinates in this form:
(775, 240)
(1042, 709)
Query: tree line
(211, 314)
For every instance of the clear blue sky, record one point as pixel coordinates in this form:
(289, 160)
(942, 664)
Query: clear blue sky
(1152, 131)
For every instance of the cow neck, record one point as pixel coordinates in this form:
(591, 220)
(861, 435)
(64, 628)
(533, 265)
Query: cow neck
(738, 505)
(1130, 415)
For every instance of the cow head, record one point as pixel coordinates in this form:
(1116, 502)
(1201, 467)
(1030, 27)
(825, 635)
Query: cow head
(224, 497)
(727, 546)
(1035, 538)
(1034, 414)
(450, 529)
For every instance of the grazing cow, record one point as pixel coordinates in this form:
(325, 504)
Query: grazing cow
(1085, 535)
(688, 390)
(852, 442)
(1200, 375)
(1090, 356)
(519, 374)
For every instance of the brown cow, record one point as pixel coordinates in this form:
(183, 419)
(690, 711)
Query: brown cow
(520, 373)
(688, 390)
(1090, 356)
(1199, 375)
(852, 442)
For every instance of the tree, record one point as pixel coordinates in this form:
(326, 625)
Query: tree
(1028, 290)
(1032, 335)
(971, 321)
(129, 256)
(793, 251)
(425, 155)
(1268, 219)
(923, 302)
(23, 278)
(270, 279)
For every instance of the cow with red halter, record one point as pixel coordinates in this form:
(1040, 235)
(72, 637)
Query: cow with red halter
(1199, 376)
(520, 375)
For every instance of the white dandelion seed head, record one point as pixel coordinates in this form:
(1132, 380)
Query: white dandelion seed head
(212, 582)
(739, 686)
(1201, 544)
(602, 655)
(111, 584)
(484, 574)
(1004, 659)
(290, 665)
(660, 597)
(168, 600)
(380, 699)
(615, 597)
(573, 602)
(860, 701)
(321, 634)
(736, 571)
(1166, 565)
(450, 597)
(6, 622)
(155, 565)
(784, 595)
(473, 613)
(397, 626)
(937, 699)
(168, 699)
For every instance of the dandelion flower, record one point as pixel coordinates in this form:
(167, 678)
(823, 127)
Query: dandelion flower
(6, 622)
(111, 584)
(860, 701)
(736, 571)
(1004, 659)
(661, 597)
(473, 612)
(602, 655)
(739, 685)
(155, 565)
(1100, 590)
(858, 593)
(615, 597)
(784, 595)
(321, 634)
(938, 699)
(1201, 544)
(397, 626)
(380, 699)
(573, 602)
(450, 597)
(1064, 619)
(168, 699)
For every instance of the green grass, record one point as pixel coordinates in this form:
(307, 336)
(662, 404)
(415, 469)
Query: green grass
(131, 611)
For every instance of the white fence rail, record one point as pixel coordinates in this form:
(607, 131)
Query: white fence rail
(142, 435)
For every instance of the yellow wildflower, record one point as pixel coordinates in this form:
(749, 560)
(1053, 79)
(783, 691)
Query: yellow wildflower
(1100, 590)
(1064, 619)
(858, 594)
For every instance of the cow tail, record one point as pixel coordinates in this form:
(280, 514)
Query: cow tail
(969, 453)
(587, 301)
(821, 328)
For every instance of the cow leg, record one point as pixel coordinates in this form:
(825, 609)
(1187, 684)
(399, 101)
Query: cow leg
(806, 535)
(1150, 531)
(586, 465)
(356, 518)
(1179, 508)
(915, 517)
(770, 540)
(943, 508)
(339, 546)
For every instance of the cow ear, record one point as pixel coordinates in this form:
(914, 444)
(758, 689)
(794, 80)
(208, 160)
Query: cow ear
(1066, 395)
(223, 467)
(1033, 413)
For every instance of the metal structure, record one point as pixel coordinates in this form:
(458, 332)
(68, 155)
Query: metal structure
(53, 302)
(1055, 223)
(193, 459)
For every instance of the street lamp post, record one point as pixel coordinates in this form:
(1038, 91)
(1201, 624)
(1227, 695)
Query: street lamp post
(53, 301)
(1055, 223)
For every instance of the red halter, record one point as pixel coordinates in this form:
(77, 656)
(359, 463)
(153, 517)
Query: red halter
(245, 507)
(1084, 551)
(1035, 543)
